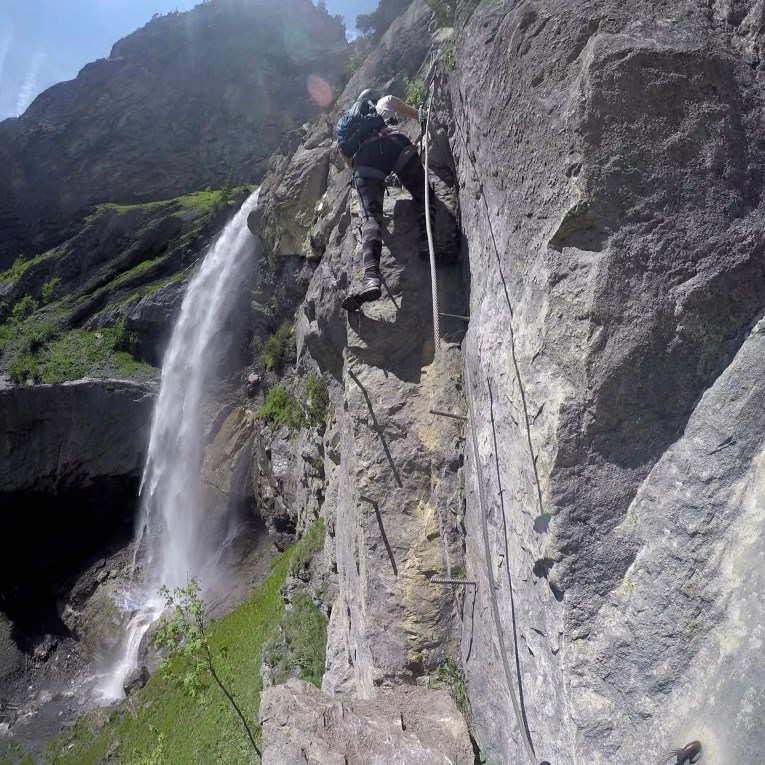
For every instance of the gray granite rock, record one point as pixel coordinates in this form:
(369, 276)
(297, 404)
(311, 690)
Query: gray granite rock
(408, 726)
(618, 160)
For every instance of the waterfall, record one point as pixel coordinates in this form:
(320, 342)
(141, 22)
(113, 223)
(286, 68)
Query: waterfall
(175, 538)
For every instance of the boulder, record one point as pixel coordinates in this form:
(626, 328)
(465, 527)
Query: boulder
(136, 680)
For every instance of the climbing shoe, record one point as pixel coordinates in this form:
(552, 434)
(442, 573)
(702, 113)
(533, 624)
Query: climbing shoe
(369, 291)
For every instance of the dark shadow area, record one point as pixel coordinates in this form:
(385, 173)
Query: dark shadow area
(48, 540)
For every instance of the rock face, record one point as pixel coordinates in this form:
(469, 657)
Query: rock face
(71, 458)
(188, 101)
(601, 487)
(92, 430)
(409, 727)
(609, 173)
(625, 291)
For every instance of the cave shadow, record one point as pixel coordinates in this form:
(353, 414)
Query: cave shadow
(51, 540)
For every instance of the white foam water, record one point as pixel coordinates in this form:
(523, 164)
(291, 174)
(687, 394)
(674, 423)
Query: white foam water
(175, 540)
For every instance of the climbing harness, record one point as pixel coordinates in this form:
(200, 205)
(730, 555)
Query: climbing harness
(429, 229)
(482, 509)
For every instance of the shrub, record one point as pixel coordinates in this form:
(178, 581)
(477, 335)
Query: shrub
(414, 92)
(123, 339)
(449, 58)
(24, 367)
(310, 546)
(184, 631)
(450, 675)
(24, 308)
(299, 648)
(278, 347)
(317, 405)
(281, 408)
(375, 24)
(50, 290)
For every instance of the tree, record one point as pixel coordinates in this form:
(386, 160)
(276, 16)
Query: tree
(183, 631)
(375, 24)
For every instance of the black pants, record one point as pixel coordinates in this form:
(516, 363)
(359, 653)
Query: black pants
(374, 161)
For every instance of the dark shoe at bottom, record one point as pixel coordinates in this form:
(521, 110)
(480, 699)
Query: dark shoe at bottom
(369, 291)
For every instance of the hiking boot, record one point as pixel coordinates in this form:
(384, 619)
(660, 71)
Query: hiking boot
(370, 290)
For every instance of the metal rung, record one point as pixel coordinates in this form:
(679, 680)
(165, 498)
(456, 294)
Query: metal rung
(449, 580)
(455, 316)
(448, 414)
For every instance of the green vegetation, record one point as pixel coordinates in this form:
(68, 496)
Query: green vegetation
(197, 203)
(202, 730)
(183, 630)
(310, 546)
(281, 408)
(278, 347)
(415, 94)
(353, 64)
(317, 404)
(375, 24)
(450, 675)
(122, 338)
(36, 349)
(50, 290)
(449, 57)
(299, 647)
(21, 264)
(24, 308)
(125, 276)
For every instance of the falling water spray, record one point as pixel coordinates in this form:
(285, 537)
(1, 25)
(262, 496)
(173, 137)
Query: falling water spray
(175, 538)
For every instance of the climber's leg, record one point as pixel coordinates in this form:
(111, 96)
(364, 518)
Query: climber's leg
(371, 197)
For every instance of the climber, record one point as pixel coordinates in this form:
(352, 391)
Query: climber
(369, 143)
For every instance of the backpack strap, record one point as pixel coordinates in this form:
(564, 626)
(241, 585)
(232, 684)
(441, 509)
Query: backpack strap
(406, 154)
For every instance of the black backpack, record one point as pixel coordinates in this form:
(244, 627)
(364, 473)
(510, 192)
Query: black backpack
(356, 125)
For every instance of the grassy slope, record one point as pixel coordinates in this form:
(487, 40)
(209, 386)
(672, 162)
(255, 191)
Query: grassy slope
(40, 347)
(164, 725)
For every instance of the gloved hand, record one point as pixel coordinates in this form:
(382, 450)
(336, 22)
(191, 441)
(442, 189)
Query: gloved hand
(422, 114)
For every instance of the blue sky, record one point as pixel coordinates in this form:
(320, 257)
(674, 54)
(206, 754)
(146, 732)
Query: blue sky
(43, 42)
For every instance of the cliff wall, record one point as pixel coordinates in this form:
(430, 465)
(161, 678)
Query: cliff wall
(606, 166)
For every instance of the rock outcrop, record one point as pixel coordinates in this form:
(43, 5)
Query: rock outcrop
(598, 490)
(91, 430)
(71, 458)
(303, 726)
